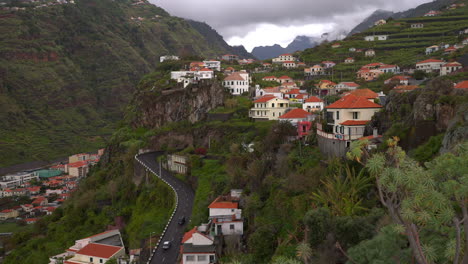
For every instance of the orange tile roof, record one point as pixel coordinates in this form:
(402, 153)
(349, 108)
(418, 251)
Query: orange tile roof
(368, 94)
(284, 77)
(272, 90)
(77, 164)
(462, 85)
(294, 91)
(351, 84)
(313, 99)
(429, 61)
(452, 64)
(286, 54)
(219, 203)
(230, 69)
(269, 77)
(234, 77)
(289, 62)
(189, 234)
(351, 102)
(265, 99)
(206, 69)
(6, 211)
(355, 123)
(295, 114)
(99, 250)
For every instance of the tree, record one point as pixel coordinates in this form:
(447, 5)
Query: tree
(284, 260)
(420, 200)
(304, 252)
(342, 194)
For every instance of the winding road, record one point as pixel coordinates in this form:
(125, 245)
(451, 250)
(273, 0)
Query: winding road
(184, 203)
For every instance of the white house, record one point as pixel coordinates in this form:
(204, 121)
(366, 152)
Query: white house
(285, 79)
(369, 53)
(402, 80)
(313, 104)
(187, 77)
(198, 247)
(417, 25)
(295, 116)
(389, 68)
(429, 65)
(432, 49)
(450, 67)
(349, 60)
(432, 13)
(284, 57)
(271, 91)
(213, 65)
(376, 37)
(230, 57)
(328, 64)
(269, 108)
(314, 71)
(346, 86)
(289, 64)
(349, 116)
(168, 57)
(270, 78)
(380, 22)
(237, 83)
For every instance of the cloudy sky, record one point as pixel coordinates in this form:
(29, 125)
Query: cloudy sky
(266, 22)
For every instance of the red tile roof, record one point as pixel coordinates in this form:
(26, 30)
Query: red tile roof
(294, 91)
(272, 90)
(288, 62)
(219, 203)
(77, 164)
(234, 77)
(355, 123)
(230, 69)
(6, 211)
(452, 64)
(99, 250)
(285, 77)
(265, 99)
(269, 77)
(351, 102)
(206, 69)
(313, 99)
(429, 61)
(351, 84)
(300, 96)
(462, 85)
(189, 234)
(368, 94)
(295, 114)
(286, 54)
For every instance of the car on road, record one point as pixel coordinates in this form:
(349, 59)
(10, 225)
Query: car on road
(166, 245)
(181, 220)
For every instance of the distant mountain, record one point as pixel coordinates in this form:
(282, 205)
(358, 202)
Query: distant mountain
(369, 21)
(414, 12)
(216, 41)
(300, 43)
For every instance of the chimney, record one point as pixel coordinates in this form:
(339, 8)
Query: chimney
(376, 132)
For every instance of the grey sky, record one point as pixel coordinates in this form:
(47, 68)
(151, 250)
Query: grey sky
(266, 22)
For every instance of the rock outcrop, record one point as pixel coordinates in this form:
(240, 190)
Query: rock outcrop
(156, 109)
(416, 116)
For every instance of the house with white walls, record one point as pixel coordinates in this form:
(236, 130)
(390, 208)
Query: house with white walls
(268, 108)
(237, 83)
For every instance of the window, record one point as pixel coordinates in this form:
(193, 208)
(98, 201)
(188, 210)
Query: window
(337, 115)
(101, 261)
(190, 258)
(232, 210)
(231, 227)
(273, 105)
(90, 259)
(355, 115)
(202, 258)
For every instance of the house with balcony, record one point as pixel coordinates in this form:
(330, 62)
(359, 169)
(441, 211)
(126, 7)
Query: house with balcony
(346, 121)
(450, 67)
(213, 65)
(289, 64)
(226, 215)
(269, 108)
(430, 65)
(346, 86)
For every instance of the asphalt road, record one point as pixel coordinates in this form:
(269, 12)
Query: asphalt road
(174, 232)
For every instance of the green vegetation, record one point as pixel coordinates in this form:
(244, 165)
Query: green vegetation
(12, 227)
(68, 71)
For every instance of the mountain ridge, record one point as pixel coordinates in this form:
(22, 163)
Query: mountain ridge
(300, 43)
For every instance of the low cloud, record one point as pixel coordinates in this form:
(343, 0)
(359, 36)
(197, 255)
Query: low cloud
(263, 22)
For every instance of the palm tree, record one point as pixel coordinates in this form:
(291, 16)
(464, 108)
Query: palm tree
(304, 252)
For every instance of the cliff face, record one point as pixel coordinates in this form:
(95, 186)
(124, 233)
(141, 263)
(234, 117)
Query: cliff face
(421, 114)
(156, 109)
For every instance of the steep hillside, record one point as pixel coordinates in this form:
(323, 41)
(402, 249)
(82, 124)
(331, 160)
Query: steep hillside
(67, 71)
(300, 43)
(414, 12)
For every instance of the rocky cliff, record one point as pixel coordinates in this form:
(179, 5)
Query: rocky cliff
(156, 109)
(416, 116)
